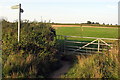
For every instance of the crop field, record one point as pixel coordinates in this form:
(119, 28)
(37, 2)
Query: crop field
(81, 66)
(88, 32)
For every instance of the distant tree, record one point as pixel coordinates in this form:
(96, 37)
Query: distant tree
(25, 21)
(89, 22)
(49, 21)
(52, 22)
(97, 22)
(103, 23)
(93, 23)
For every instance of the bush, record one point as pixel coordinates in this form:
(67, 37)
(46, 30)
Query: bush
(34, 56)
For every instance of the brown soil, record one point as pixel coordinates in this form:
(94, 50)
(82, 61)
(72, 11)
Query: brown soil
(56, 26)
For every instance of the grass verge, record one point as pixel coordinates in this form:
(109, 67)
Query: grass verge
(95, 66)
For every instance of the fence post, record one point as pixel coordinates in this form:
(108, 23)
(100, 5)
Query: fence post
(65, 38)
(98, 45)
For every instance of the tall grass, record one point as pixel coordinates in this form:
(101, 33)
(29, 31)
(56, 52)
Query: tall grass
(95, 66)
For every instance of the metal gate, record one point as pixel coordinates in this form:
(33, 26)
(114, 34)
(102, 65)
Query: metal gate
(85, 45)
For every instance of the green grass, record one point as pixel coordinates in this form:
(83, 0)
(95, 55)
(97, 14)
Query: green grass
(0, 31)
(95, 66)
(88, 32)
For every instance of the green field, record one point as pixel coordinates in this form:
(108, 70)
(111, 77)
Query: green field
(85, 32)
(88, 32)
(94, 66)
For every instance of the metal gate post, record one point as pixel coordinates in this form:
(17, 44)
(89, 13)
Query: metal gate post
(65, 38)
(98, 45)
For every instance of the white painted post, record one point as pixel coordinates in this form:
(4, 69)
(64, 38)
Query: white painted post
(19, 22)
(81, 30)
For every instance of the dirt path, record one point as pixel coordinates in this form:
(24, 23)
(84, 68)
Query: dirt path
(63, 70)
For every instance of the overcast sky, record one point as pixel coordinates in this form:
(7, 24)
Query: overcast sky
(63, 11)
